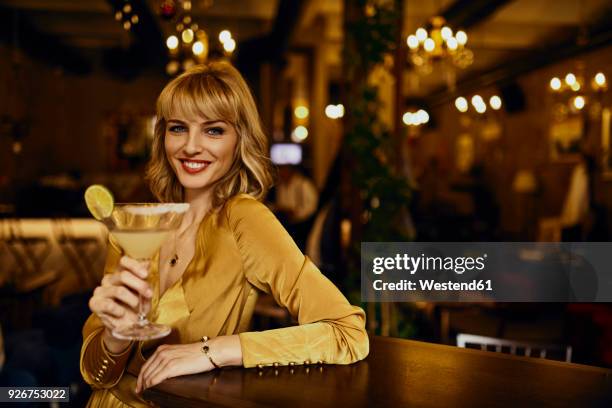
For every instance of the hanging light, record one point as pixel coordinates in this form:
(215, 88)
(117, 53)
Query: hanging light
(413, 42)
(461, 37)
(478, 103)
(573, 93)
(224, 36)
(421, 34)
(334, 111)
(301, 112)
(446, 33)
(579, 102)
(417, 118)
(599, 81)
(190, 43)
(126, 16)
(229, 45)
(495, 102)
(438, 43)
(198, 48)
(461, 104)
(172, 42)
(555, 84)
(187, 35)
(299, 134)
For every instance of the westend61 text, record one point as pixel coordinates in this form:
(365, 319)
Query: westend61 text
(429, 284)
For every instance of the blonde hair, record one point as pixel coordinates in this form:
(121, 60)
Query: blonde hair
(216, 91)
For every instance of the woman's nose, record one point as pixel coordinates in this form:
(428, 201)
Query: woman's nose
(193, 145)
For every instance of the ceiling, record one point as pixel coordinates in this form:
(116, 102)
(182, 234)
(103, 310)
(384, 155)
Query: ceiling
(513, 30)
(89, 24)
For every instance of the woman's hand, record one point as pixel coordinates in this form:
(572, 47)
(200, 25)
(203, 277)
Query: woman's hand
(170, 361)
(116, 301)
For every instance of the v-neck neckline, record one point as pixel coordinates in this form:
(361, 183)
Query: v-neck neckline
(189, 264)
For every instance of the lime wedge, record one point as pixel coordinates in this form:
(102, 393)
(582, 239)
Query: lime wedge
(100, 201)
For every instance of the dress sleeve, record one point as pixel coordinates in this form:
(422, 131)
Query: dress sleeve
(330, 329)
(99, 367)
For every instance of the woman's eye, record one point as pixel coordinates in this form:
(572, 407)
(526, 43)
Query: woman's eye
(177, 129)
(215, 131)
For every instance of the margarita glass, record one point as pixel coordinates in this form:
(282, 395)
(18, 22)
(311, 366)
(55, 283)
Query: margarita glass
(140, 229)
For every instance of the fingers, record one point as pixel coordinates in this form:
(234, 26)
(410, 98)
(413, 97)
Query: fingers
(163, 372)
(101, 304)
(170, 361)
(118, 295)
(150, 365)
(140, 269)
(105, 295)
(126, 296)
(128, 279)
(131, 274)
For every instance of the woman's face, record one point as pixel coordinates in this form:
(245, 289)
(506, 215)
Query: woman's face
(200, 150)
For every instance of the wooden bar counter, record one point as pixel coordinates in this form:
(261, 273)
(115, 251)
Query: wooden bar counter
(398, 373)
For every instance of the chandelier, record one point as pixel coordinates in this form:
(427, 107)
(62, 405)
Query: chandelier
(575, 91)
(189, 43)
(478, 104)
(438, 44)
(127, 16)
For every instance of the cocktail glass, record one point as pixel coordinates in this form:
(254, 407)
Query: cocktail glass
(140, 229)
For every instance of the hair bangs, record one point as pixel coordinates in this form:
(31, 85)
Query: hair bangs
(194, 97)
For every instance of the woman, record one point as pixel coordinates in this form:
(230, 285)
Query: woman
(209, 150)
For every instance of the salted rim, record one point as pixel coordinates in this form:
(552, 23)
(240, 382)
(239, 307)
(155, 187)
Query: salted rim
(151, 209)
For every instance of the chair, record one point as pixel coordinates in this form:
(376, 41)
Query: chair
(29, 253)
(513, 346)
(80, 251)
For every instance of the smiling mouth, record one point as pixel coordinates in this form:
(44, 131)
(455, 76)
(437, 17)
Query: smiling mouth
(194, 166)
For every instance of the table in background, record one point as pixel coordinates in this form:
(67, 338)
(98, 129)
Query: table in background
(398, 373)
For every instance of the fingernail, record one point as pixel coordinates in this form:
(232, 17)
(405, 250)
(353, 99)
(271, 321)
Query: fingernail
(149, 293)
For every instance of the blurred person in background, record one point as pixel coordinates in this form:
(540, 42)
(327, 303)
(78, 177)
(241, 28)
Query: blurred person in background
(577, 203)
(296, 202)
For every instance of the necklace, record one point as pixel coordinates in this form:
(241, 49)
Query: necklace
(174, 260)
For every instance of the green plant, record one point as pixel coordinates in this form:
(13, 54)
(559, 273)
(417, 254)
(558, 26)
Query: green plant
(379, 190)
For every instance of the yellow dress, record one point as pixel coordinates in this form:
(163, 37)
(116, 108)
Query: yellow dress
(240, 250)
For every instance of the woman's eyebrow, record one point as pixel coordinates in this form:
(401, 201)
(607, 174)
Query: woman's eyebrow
(205, 123)
(212, 122)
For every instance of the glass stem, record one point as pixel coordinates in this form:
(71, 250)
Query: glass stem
(142, 317)
(142, 314)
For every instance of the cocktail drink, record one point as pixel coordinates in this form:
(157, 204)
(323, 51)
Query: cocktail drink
(140, 230)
